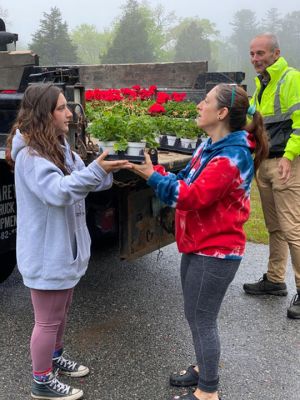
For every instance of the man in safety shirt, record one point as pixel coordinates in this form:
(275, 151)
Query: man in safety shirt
(277, 97)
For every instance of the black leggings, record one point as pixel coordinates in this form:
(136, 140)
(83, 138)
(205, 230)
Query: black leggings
(204, 284)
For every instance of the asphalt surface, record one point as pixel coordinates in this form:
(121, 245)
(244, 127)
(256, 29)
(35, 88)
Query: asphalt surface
(127, 325)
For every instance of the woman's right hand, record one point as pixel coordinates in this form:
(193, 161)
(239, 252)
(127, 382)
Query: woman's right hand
(144, 170)
(112, 166)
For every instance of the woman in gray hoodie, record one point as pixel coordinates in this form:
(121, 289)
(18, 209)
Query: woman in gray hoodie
(53, 242)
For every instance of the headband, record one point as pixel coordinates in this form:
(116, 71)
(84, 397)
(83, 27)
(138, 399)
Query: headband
(233, 93)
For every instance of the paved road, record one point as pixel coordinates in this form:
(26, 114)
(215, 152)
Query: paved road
(127, 324)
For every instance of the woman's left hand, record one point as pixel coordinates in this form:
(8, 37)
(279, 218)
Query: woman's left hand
(144, 170)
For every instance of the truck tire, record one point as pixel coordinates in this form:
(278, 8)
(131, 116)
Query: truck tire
(8, 263)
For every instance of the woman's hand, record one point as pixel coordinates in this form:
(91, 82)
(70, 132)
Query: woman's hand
(112, 166)
(144, 170)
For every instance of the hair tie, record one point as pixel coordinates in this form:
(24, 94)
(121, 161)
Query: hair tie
(251, 110)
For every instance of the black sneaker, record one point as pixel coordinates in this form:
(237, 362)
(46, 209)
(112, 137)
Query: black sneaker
(294, 309)
(54, 390)
(264, 286)
(69, 367)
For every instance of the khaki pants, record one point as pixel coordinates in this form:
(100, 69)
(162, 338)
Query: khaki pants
(281, 208)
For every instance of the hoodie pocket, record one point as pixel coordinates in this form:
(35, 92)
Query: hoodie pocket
(82, 246)
(61, 260)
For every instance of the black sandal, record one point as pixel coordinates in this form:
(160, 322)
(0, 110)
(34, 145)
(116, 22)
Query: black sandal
(185, 378)
(185, 396)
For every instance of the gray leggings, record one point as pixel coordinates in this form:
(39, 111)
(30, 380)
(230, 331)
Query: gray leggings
(204, 284)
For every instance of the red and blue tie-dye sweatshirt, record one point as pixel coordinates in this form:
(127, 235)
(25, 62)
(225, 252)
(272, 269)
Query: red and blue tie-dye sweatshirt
(211, 196)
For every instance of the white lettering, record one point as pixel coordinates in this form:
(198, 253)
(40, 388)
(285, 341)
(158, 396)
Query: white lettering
(6, 192)
(7, 208)
(8, 222)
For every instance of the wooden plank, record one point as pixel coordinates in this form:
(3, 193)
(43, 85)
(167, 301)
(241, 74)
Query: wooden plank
(172, 160)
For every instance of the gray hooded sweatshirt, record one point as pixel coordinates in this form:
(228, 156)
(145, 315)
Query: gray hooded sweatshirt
(53, 242)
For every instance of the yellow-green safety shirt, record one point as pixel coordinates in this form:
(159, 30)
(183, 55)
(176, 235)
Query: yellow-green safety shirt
(280, 108)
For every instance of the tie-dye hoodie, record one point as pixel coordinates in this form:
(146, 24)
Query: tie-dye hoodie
(211, 196)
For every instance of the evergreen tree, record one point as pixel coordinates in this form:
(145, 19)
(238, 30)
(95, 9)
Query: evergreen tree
(272, 22)
(245, 28)
(192, 43)
(131, 42)
(289, 37)
(52, 42)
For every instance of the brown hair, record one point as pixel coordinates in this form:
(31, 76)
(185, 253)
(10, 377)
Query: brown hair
(235, 98)
(35, 122)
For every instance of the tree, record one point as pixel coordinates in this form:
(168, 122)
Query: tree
(245, 28)
(192, 38)
(272, 22)
(222, 51)
(3, 14)
(90, 43)
(289, 37)
(52, 42)
(131, 42)
(159, 25)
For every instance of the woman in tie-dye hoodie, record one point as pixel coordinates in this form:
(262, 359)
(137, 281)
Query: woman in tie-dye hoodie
(212, 200)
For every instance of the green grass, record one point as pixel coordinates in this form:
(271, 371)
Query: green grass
(255, 227)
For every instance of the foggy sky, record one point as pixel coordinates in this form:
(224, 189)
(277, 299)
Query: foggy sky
(24, 15)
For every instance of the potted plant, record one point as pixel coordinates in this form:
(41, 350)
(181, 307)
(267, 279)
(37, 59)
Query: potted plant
(188, 132)
(110, 130)
(183, 109)
(137, 130)
(149, 129)
(165, 128)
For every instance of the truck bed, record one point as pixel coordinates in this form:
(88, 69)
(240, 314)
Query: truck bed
(173, 161)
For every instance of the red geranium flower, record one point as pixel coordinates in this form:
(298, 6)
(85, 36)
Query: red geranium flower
(152, 89)
(129, 93)
(134, 93)
(111, 95)
(156, 109)
(89, 95)
(178, 96)
(136, 88)
(97, 94)
(162, 97)
(145, 94)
